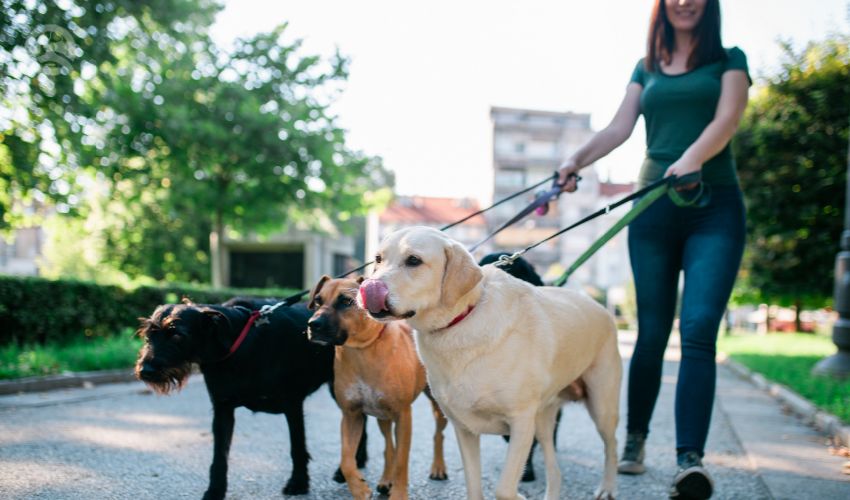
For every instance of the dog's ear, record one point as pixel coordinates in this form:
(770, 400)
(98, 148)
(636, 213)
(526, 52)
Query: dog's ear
(311, 305)
(144, 326)
(460, 276)
(218, 324)
(360, 279)
(214, 319)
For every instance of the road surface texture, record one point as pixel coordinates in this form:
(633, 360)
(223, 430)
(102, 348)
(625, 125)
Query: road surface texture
(121, 441)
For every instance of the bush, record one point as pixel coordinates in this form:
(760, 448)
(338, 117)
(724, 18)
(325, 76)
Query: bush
(79, 354)
(38, 311)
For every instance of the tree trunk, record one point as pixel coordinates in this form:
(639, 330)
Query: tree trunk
(768, 324)
(216, 258)
(798, 308)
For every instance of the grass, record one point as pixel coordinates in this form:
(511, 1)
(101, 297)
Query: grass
(85, 354)
(788, 358)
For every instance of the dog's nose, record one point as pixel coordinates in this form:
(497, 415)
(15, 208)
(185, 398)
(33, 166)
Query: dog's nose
(373, 294)
(316, 323)
(147, 369)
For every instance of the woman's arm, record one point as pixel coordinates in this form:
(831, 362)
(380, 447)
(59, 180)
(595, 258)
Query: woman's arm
(607, 139)
(718, 133)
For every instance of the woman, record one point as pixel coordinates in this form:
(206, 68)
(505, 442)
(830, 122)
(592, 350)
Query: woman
(692, 93)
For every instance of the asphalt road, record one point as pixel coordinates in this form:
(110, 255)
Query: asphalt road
(121, 441)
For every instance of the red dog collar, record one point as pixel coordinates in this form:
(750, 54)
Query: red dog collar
(242, 334)
(459, 317)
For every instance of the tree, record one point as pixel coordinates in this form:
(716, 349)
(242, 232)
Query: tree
(239, 139)
(187, 138)
(792, 150)
(50, 55)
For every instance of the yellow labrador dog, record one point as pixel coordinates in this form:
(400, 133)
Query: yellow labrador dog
(501, 355)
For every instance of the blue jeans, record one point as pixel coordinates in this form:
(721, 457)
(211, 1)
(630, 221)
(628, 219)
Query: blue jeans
(707, 244)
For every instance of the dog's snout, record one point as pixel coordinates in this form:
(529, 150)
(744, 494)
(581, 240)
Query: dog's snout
(316, 322)
(148, 369)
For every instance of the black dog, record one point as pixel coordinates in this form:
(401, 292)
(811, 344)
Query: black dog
(273, 370)
(522, 269)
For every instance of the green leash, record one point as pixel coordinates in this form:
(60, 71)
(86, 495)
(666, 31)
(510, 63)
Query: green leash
(699, 200)
(646, 196)
(641, 205)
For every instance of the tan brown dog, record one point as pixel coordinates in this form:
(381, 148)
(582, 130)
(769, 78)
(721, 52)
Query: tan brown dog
(376, 372)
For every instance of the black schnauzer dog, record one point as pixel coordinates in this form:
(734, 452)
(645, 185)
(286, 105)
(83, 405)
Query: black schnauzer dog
(522, 269)
(272, 370)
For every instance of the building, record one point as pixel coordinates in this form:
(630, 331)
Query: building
(409, 211)
(19, 256)
(295, 258)
(528, 146)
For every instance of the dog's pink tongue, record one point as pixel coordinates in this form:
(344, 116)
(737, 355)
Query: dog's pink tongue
(374, 293)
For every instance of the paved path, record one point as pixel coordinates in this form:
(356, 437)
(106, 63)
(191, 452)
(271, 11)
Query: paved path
(120, 441)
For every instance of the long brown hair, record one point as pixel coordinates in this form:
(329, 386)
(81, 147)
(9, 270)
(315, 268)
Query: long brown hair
(662, 40)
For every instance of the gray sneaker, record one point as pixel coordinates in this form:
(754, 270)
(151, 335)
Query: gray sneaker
(633, 454)
(692, 482)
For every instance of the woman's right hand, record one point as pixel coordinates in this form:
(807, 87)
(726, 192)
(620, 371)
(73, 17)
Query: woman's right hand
(568, 176)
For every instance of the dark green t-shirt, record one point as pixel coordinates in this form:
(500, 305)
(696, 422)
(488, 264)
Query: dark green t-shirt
(677, 108)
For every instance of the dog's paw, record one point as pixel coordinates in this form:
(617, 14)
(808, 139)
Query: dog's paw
(296, 486)
(602, 494)
(214, 494)
(438, 472)
(338, 476)
(528, 475)
(384, 488)
(361, 493)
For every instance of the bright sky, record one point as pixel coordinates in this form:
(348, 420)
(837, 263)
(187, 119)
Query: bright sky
(424, 74)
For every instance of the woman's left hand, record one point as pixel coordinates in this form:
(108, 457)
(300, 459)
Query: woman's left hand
(682, 167)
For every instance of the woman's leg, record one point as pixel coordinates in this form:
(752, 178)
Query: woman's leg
(712, 255)
(656, 259)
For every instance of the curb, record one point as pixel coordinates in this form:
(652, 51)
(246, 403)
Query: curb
(65, 381)
(821, 420)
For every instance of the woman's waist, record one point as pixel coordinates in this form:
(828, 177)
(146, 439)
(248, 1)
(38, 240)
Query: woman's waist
(717, 170)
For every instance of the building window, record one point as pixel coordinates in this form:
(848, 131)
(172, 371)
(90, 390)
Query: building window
(543, 149)
(267, 269)
(340, 264)
(510, 178)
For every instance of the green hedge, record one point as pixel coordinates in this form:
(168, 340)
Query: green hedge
(37, 310)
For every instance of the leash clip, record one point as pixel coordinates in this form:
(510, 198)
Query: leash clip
(507, 260)
(267, 309)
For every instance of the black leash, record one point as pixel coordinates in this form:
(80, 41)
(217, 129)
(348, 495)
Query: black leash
(540, 204)
(503, 200)
(666, 182)
(541, 200)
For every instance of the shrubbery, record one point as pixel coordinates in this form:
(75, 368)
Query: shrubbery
(37, 310)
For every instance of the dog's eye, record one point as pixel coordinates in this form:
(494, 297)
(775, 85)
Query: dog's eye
(377, 259)
(317, 300)
(412, 261)
(346, 301)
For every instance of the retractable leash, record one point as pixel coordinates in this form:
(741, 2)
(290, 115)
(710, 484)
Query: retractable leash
(648, 195)
(540, 206)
